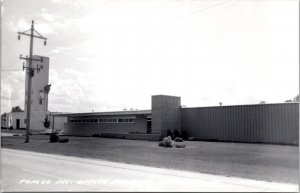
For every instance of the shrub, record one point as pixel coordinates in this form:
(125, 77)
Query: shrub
(96, 135)
(169, 133)
(179, 145)
(184, 135)
(46, 121)
(166, 142)
(54, 137)
(176, 133)
(178, 139)
(161, 143)
(191, 138)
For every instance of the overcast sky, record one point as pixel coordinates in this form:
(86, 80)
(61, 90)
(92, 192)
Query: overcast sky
(110, 55)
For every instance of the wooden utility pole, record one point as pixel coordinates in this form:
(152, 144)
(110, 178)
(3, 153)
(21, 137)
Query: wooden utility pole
(30, 72)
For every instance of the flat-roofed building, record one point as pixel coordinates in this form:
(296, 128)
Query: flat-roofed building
(89, 124)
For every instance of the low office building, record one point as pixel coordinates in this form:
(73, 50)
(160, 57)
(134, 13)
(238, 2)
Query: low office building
(140, 124)
(88, 124)
(259, 123)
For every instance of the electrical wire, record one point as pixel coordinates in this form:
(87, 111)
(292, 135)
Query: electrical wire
(76, 15)
(204, 9)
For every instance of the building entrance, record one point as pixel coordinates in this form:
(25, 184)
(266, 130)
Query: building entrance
(18, 124)
(149, 123)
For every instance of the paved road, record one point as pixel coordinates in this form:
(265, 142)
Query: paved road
(30, 171)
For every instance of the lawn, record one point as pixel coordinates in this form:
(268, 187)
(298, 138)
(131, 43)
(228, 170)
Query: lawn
(275, 163)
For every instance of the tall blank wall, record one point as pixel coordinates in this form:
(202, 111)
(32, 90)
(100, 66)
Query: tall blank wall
(268, 123)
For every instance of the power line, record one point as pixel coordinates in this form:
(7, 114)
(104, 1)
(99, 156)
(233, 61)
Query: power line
(11, 61)
(9, 70)
(204, 9)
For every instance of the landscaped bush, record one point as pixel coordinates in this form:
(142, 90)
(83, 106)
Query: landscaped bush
(191, 138)
(170, 133)
(54, 137)
(184, 135)
(176, 133)
(166, 142)
(161, 143)
(178, 139)
(179, 145)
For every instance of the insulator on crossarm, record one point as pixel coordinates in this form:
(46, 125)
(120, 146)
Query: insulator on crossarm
(19, 37)
(45, 42)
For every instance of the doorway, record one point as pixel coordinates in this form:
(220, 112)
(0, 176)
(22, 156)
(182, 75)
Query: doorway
(149, 123)
(18, 124)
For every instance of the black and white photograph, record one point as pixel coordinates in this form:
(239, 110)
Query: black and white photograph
(149, 95)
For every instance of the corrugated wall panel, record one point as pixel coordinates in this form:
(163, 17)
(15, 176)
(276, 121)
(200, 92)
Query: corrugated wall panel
(268, 123)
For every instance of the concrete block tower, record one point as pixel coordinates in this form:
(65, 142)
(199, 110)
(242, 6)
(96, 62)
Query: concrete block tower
(165, 113)
(39, 93)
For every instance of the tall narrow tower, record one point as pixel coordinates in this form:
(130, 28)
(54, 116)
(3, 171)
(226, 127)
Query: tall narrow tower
(39, 95)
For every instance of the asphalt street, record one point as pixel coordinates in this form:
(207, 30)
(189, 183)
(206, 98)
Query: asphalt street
(30, 171)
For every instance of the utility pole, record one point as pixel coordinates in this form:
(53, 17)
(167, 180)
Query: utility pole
(30, 72)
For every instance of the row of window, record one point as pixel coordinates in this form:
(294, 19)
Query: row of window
(103, 120)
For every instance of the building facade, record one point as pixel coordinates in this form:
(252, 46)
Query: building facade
(39, 93)
(15, 120)
(89, 124)
(261, 123)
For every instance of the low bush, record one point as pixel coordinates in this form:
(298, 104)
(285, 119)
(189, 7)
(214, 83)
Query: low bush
(170, 133)
(54, 137)
(178, 139)
(184, 135)
(179, 145)
(96, 135)
(176, 133)
(166, 142)
(161, 143)
(191, 138)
